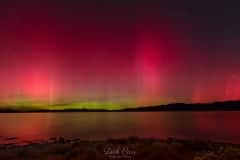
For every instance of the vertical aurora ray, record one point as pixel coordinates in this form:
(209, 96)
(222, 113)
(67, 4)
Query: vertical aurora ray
(149, 69)
(160, 54)
(232, 88)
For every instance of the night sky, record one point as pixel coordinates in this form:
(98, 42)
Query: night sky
(129, 52)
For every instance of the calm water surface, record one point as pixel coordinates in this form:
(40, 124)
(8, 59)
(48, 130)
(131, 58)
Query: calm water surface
(221, 126)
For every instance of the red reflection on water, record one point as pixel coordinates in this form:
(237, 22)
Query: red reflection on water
(32, 128)
(211, 126)
(159, 126)
(26, 127)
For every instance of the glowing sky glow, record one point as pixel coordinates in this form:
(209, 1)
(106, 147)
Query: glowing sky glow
(120, 55)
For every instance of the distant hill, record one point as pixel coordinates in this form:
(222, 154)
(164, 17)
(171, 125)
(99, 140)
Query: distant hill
(215, 106)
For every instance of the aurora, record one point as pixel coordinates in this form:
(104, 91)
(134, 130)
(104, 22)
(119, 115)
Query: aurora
(115, 57)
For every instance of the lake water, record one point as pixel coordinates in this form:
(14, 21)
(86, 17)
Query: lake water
(220, 126)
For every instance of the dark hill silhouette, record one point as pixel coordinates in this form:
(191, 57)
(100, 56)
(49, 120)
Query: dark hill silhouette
(215, 106)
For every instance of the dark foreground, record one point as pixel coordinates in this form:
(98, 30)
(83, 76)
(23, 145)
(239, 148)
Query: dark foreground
(131, 148)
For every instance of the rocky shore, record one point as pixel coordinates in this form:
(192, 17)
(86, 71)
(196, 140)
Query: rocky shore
(131, 148)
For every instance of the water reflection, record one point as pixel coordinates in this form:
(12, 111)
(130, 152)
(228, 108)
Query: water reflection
(222, 126)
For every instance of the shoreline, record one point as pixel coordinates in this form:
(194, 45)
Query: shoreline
(172, 107)
(125, 148)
